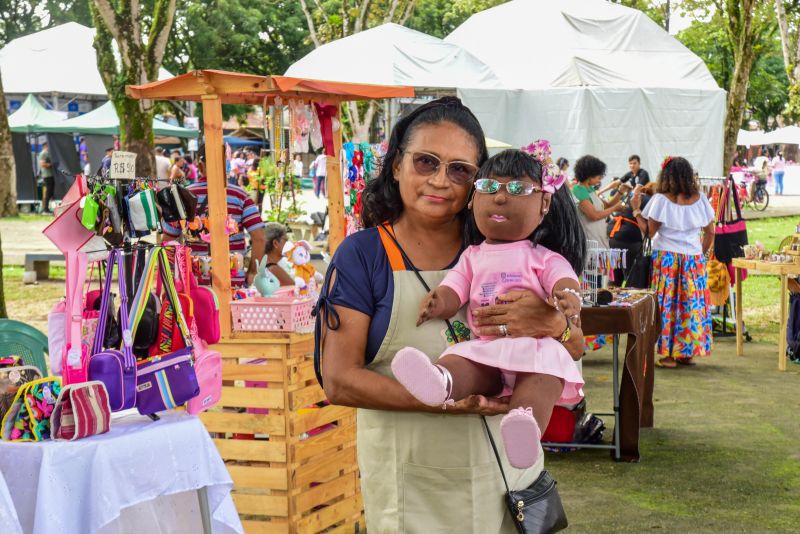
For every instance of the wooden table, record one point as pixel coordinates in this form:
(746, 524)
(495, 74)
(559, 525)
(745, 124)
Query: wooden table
(633, 394)
(783, 271)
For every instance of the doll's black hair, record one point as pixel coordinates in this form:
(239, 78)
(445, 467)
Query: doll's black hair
(381, 199)
(560, 230)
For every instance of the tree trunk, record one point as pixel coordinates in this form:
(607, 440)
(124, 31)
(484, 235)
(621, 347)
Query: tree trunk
(133, 62)
(737, 96)
(8, 173)
(360, 125)
(136, 135)
(3, 310)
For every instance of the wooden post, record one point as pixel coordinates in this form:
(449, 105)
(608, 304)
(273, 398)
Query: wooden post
(739, 320)
(217, 209)
(335, 191)
(784, 318)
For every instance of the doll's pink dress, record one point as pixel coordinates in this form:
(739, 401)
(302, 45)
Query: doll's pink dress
(487, 270)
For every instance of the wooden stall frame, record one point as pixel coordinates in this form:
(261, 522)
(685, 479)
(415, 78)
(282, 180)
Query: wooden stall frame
(214, 88)
(292, 457)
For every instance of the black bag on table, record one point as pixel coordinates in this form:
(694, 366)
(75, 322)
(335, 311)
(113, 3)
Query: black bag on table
(641, 270)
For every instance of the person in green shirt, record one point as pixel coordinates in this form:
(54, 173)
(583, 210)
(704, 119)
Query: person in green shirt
(592, 209)
(46, 172)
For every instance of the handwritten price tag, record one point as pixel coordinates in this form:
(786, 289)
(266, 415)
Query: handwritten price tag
(123, 165)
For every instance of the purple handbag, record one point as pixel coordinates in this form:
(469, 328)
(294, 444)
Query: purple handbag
(116, 369)
(167, 380)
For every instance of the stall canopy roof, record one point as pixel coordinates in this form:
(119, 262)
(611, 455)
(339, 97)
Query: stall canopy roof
(749, 137)
(104, 121)
(236, 88)
(61, 60)
(391, 54)
(789, 135)
(536, 44)
(31, 116)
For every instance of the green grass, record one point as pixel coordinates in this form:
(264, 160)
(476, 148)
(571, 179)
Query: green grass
(771, 231)
(761, 292)
(28, 217)
(724, 455)
(31, 303)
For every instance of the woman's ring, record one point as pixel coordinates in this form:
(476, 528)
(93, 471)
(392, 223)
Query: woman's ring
(503, 330)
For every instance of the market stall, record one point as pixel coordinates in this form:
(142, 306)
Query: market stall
(291, 455)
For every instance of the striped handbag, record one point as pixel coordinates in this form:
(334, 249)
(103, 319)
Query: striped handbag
(82, 410)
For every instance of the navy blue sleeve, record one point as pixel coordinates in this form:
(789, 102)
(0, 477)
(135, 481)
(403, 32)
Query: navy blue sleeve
(352, 278)
(363, 281)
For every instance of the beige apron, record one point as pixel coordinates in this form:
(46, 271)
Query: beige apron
(429, 473)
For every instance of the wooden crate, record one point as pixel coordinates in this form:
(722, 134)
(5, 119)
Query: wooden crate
(287, 477)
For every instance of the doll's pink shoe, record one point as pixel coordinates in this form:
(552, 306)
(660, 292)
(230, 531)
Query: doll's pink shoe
(521, 437)
(428, 383)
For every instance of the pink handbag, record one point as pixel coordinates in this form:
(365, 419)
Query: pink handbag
(74, 355)
(208, 367)
(66, 231)
(56, 335)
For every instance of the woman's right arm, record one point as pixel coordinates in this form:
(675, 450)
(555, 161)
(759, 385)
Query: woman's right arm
(349, 383)
(593, 214)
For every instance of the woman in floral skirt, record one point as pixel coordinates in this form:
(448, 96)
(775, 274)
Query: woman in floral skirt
(681, 222)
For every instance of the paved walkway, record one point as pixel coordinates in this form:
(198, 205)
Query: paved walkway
(779, 206)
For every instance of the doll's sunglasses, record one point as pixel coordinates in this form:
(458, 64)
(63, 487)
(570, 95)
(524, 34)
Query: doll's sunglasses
(459, 172)
(515, 188)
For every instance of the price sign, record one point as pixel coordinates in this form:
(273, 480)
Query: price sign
(123, 165)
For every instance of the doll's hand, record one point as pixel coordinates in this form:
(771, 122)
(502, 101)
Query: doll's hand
(431, 308)
(570, 306)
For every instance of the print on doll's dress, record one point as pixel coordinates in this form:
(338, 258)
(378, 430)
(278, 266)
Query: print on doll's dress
(463, 333)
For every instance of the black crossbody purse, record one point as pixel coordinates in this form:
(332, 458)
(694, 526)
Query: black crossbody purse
(536, 509)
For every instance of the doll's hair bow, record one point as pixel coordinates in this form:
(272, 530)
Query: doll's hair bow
(552, 177)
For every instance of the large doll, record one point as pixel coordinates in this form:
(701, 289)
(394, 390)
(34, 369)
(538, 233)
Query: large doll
(512, 209)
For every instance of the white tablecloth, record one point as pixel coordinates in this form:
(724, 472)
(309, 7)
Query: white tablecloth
(85, 486)
(9, 523)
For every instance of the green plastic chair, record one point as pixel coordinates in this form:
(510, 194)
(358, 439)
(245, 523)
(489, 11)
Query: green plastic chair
(20, 339)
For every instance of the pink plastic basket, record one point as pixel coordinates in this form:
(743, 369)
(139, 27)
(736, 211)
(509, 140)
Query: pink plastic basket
(273, 314)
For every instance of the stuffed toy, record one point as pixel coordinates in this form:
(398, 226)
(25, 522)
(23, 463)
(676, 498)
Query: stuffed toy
(265, 282)
(306, 276)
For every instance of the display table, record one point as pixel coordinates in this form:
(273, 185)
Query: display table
(783, 271)
(634, 401)
(9, 523)
(86, 486)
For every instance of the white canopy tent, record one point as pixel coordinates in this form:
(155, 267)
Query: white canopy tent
(748, 138)
(596, 78)
(790, 135)
(60, 60)
(394, 55)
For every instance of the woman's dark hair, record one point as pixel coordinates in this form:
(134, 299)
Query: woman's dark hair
(588, 166)
(677, 178)
(188, 159)
(381, 198)
(560, 230)
(562, 162)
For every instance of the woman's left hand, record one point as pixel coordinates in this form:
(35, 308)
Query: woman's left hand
(523, 313)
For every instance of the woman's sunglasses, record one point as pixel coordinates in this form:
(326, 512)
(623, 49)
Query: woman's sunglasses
(459, 172)
(515, 188)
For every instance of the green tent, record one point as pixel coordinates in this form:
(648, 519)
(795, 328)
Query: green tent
(104, 121)
(31, 116)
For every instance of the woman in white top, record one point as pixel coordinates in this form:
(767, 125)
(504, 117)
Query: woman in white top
(681, 222)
